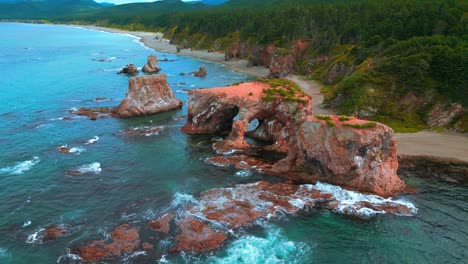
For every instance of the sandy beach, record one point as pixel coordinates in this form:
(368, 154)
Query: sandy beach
(422, 144)
(158, 43)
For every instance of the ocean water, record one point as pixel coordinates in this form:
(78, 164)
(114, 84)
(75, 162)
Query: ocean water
(48, 70)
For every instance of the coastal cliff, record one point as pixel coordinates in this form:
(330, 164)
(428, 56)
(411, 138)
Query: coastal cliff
(349, 152)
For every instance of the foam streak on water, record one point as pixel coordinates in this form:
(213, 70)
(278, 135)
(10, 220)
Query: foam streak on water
(20, 167)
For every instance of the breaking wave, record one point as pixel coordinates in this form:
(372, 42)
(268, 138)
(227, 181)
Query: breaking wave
(92, 140)
(20, 167)
(273, 248)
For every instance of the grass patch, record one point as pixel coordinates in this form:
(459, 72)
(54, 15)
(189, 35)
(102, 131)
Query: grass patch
(322, 117)
(344, 118)
(362, 126)
(283, 89)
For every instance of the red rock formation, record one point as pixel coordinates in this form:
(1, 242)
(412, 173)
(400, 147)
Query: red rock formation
(129, 69)
(161, 224)
(197, 236)
(152, 65)
(147, 95)
(348, 153)
(123, 240)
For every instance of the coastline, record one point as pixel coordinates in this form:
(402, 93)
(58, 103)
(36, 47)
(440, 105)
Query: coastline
(424, 144)
(156, 42)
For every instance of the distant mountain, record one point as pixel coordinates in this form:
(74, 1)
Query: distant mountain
(43, 9)
(107, 4)
(209, 2)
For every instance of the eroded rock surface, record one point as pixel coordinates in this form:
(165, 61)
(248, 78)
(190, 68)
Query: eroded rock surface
(206, 223)
(152, 65)
(352, 153)
(129, 69)
(147, 95)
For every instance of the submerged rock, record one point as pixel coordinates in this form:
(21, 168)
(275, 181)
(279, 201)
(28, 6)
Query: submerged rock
(53, 232)
(147, 95)
(152, 65)
(93, 113)
(124, 239)
(129, 69)
(352, 153)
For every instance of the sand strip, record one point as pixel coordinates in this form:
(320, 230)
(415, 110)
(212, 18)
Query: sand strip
(156, 42)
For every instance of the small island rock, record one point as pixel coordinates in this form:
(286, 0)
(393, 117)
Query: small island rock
(147, 95)
(129, 69)
(152, 65)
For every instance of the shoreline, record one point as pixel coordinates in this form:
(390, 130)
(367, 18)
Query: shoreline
(424, 144)
(156, 42)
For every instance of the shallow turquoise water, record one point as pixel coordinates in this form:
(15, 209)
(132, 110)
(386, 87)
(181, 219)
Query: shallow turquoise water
(46, 70)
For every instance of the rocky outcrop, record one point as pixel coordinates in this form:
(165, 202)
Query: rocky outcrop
(352, 153)
(338, 71)
(124, 239)
(282, 65)
(152, 65)
(442, 115)
(147, 95)
(200, 73)
(129, 69)
(208, 222)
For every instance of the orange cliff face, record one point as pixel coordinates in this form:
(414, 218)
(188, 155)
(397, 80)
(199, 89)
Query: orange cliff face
(355, 154)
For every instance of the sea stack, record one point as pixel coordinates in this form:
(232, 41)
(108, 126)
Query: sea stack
(152, 65)
(147, 95)
(201, 72)
(355, 154)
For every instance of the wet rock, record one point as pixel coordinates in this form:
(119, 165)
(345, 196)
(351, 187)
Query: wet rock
(200, 73)
(143, 131)
(93, 113)
(152, 65)
(147, 95)
(53, 232)
(64, 149)
(316, 149)
(101, 99)
(197, 236)
(123, 240)
(129, 69)
(161, 224)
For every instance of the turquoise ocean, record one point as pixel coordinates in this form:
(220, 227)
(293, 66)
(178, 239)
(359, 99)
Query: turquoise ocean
(47, 70)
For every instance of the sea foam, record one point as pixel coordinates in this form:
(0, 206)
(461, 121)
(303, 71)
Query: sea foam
(273, 248)
(92, 140)
(20, 167)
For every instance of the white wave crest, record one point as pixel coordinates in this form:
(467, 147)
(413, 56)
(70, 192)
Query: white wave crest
(274, 248)
(94, 167)
(92, 140)
(26, 223)
(20, 167)
(244, 173)
(182, 199)
(77, 150)
(354, 203)
(36, 237)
